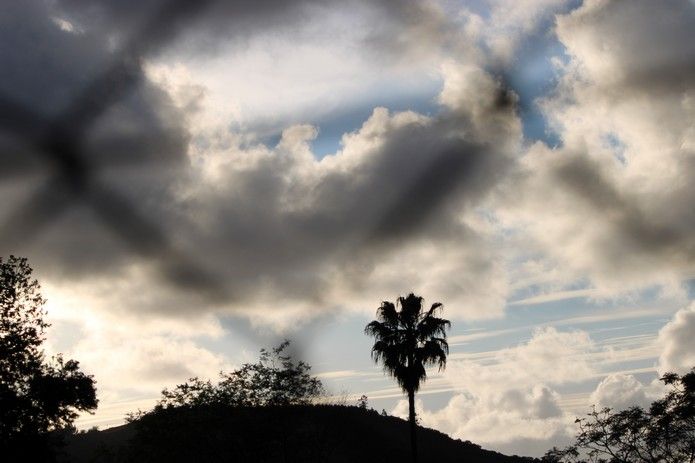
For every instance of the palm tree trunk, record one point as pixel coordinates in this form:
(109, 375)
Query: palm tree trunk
(413, 426)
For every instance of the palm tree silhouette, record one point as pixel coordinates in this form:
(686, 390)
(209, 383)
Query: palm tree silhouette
(407, 341)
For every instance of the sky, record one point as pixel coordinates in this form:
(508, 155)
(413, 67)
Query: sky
(192, 181)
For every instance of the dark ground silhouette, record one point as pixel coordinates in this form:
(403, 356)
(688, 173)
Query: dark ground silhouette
(303, 433)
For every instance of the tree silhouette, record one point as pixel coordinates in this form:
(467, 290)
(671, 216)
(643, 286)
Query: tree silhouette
(406, 342)
(278, 388)
(36, 396)
(665, 433)
(275, 380)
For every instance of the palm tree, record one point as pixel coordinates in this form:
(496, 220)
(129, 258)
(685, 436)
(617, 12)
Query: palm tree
(406, 342)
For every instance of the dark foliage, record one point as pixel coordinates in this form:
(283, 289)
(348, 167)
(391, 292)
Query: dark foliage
(663, 434)
(406, 342)
(363, 402)
(275, 380)
(37, 397)
(300, 433)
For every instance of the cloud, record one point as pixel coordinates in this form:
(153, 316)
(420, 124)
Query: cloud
(518, 426)
(619, 392)
(276, 221)
(612, 204)
(677, 342)
(550, 356)
(509, 25)
(523, 399)
(131, 357)
(144, 364)
(237, 225)
(603, 35)
(134, 363)
(509, 403)
(203, 23)
(391, 29)
(58, 108)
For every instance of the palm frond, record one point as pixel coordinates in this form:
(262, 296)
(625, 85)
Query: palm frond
(411, 307)
(431, 326)
(433, 352)
(378, 330)
(435, 307)
(388, 314)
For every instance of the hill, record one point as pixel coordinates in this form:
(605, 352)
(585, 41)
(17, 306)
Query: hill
(321, 433)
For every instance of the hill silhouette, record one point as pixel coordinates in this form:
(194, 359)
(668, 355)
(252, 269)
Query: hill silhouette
(302, 433)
